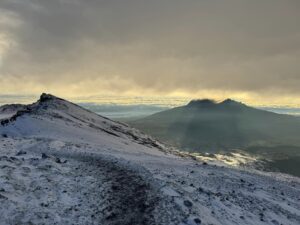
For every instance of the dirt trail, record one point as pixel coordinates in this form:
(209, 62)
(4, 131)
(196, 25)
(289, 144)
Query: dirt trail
(124, 195)
(129, 199)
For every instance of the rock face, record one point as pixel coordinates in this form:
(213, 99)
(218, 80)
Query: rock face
(46, 97)
(11, 108)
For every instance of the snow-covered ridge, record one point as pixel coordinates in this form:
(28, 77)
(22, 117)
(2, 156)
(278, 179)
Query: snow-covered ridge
(62, 164)
(53, 109)
(7, 111)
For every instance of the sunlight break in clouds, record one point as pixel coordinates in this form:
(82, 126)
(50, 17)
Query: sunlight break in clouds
(247, 50)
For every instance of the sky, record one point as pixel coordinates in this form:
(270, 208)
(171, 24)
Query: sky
(241, 49)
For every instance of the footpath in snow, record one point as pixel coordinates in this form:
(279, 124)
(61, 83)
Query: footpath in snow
(61, 164)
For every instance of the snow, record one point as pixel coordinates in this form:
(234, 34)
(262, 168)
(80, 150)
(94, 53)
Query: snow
(7, 111)
(109, 170)
(6, 115)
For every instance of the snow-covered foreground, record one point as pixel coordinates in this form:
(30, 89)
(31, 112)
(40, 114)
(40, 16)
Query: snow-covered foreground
(61, 164)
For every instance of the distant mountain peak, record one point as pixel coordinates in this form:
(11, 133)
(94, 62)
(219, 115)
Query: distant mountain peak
(201, 102)
(212, 103)
(231, 102)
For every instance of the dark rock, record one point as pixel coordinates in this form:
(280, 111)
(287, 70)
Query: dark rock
(44, 156)
(3, 197)
(275, 222)
(44, 204)
(57, 160)
(218, 194)
(13, 158)
(34, 161)
(46, 97)
(115, 188)
(21, 153)
(197, 221)
(188, 203)
(111, 216)
(4, 135)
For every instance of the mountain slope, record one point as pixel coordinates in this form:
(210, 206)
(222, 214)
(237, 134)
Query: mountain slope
(62, 164)
(55, 117)
(210, 126)
(7, 111)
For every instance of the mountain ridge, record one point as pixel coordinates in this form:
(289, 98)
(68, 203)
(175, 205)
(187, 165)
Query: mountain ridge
(50, 108)
(227, 124)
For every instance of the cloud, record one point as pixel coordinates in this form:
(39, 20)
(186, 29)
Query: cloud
(154, 46)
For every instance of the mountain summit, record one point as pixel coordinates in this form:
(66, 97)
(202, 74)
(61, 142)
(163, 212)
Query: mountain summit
(212, 104)
(211, 126)
(201, 102)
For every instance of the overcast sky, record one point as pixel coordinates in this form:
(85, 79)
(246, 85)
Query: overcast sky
(245, 49)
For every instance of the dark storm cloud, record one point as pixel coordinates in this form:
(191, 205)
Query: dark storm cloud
(160, 45)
